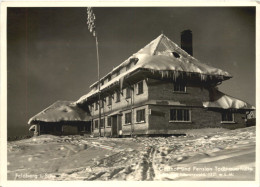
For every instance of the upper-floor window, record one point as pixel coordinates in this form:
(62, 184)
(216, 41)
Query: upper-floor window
(109, 121)
(91, 107)
(140, 115)
(128, 92)
(128, 118)
(118, 96)
(109, 100)
(227, 116)
(102, 103)
(180, 115)
(96, 105)
(179, 87)
(140, 87)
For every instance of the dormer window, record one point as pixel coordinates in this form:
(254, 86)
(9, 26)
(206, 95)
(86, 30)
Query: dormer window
(134, 60)
(109, 78)
(128, 67)
(179, 87)
(118, 73)
(176, 55)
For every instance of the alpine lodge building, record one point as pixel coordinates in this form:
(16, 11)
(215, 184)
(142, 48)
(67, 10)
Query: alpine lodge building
(160, 90)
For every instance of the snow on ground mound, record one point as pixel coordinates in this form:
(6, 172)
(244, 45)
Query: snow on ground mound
(216, 155)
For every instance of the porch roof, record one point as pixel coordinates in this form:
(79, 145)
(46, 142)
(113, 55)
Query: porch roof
(223, 101)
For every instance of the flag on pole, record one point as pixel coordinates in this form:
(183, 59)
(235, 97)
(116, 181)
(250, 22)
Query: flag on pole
(91, 21)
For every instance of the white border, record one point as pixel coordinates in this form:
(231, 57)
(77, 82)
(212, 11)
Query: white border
(135, 3)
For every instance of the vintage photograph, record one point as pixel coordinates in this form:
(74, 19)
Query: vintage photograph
(131, 93)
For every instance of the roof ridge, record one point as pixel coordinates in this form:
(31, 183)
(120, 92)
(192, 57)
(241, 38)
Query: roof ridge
(161, 36)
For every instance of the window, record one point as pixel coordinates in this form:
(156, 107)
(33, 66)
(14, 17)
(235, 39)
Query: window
(128, 118)
(102, 122)
(179, 87)
(109, 78)
(102, 103)
(109, 100)
(140, 115)
(96, 124)
(118, 96)
(134, 60)
(227, 116)
(140, 88)
(128, 92)
(180, 115)
(102, 82)
(109, 122)
(96, 105)
(118, 73)
(128, 67)
(91, 107)
(176, 55)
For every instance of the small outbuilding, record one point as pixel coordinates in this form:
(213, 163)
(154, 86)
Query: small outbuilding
(61, 118)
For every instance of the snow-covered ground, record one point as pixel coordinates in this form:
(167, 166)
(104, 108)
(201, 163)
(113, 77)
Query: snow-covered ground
(207, 154)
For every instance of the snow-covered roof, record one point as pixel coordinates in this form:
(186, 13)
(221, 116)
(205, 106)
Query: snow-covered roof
(223, 101)
(163, 55)
(61, 111)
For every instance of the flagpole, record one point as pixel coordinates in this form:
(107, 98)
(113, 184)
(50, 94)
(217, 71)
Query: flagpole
(92, 29)
(99, 101)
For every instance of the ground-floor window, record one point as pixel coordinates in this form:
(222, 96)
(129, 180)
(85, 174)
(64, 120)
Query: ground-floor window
(128, 118)
(96, 124)
(179, 115)
(140, 115)
(227, 116)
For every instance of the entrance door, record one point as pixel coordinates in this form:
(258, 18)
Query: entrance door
(119, 125)
(114, 131)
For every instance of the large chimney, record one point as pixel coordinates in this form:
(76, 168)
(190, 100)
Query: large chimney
(186, 41)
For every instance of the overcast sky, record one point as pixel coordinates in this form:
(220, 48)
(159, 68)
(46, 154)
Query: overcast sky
(52, 56)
